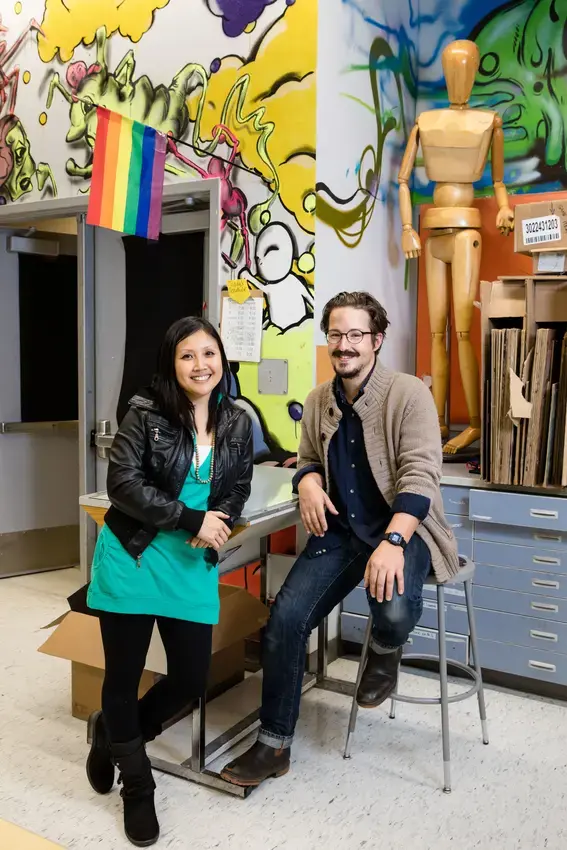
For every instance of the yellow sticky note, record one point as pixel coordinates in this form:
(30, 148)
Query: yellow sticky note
(239, 290)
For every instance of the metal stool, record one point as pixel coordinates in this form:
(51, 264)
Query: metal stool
(464, 576)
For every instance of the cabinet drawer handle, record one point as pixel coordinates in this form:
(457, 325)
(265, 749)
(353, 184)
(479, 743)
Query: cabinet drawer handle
(540, 559)
(542, 537)
(482, 518)
(539, 513)
(537, 635)
(542, 665)
(540, 582)
(544, 606)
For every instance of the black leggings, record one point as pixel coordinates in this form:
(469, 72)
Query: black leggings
(126, 639)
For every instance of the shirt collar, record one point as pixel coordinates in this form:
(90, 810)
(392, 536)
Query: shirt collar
(340, 392)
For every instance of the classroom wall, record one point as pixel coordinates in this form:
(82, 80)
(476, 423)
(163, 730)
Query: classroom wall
(365, 109)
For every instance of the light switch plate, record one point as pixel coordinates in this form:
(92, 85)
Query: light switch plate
(272, 377)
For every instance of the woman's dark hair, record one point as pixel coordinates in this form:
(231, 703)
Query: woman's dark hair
(173, 402)
(361, 301)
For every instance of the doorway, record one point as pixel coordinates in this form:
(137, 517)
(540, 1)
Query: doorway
(39, 488)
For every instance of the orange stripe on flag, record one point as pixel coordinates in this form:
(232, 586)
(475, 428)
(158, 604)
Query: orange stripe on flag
(110, 167)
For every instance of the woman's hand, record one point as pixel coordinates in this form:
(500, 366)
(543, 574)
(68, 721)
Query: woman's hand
(197, 543)
(213, 532)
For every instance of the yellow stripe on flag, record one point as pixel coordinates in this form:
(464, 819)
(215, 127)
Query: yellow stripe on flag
(122, 173)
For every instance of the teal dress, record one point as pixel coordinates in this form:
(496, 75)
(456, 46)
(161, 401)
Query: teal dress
(169, 579)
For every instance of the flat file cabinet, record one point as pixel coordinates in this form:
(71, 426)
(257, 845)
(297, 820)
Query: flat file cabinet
(518, 542)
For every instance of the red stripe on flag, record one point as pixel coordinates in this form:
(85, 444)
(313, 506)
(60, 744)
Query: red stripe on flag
(97, 180)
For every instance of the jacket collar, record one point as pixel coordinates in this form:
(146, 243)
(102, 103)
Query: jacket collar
(367, 405)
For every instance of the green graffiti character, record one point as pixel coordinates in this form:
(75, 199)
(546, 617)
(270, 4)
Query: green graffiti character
(17, 166)
(163, 108)
(523, 75)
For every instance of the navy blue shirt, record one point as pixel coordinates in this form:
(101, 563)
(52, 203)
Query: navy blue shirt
(363, 511)
(353, 490)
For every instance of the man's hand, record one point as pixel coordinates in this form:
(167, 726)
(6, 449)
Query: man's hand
(313, 503)
(386, 564)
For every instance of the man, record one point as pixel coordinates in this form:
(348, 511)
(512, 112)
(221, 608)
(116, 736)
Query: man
(369, 467)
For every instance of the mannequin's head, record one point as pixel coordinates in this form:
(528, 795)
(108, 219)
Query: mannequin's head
(460, 65)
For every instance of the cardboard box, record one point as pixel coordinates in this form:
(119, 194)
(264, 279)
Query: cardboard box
(541, 227)
(77, 638)
(549, 262)
(14, 838)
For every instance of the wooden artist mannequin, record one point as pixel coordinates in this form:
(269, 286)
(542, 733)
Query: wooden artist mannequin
(455, 143)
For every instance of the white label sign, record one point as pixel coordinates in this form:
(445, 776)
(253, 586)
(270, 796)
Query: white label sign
(546, 228)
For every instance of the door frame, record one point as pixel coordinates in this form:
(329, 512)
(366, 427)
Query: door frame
(178, 200)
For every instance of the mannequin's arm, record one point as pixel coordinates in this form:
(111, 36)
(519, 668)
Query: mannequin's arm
(411, 245)
(505, 218)
(406, 169)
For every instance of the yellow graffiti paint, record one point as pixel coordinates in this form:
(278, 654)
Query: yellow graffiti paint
(43, 118)
(26, 77)
(295, 346)
(70, 23)
(280, 84)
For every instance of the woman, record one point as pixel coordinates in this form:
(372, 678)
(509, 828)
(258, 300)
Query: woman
(178, 477)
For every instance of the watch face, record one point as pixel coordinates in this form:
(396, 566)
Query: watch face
(395, 538)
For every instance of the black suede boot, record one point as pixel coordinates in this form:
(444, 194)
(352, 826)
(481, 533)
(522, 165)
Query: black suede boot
(379, 679)
(100, 767)
(140, 822)
(257, 764)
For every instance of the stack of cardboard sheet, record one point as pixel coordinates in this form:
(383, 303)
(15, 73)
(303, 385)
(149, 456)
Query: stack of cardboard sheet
(525, 382)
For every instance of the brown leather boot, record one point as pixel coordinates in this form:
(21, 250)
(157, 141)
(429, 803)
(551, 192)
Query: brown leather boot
(379, 679)
(257, 764)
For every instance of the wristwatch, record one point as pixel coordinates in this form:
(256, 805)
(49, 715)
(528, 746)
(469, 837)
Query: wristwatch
(396, 539)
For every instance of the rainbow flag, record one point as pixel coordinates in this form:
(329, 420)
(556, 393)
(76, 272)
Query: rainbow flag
(128, 171)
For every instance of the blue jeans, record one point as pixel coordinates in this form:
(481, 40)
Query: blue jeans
(325, 572)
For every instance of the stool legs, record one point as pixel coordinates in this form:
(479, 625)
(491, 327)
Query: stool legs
(354, 708)
(476, 660)
(443, 679)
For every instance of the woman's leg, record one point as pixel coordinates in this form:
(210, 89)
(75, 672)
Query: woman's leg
(188, 648)
(126, 639)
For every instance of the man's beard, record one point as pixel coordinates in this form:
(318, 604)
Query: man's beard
(352, 369)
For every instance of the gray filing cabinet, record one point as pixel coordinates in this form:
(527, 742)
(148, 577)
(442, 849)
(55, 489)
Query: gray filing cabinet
(519, 544)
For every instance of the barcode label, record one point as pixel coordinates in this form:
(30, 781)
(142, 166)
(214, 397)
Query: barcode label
(547, 228)
(543, 237)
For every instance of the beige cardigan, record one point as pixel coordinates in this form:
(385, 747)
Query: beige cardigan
(403, 446)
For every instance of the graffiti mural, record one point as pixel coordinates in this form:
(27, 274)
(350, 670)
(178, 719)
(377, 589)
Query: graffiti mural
(17, 166)
(350, 216)
(523, 75)
(235, 93)
(239, 16)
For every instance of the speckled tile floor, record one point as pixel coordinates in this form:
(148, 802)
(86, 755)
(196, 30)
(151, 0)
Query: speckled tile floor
(511, 795)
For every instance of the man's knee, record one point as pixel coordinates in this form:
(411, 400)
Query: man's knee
(394, 620)
(287, 620)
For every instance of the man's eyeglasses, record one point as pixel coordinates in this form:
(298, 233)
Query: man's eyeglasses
(354, 337)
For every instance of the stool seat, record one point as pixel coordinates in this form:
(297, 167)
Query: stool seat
(466, 573)
(473, 670)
